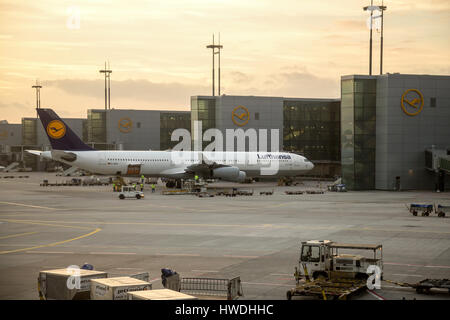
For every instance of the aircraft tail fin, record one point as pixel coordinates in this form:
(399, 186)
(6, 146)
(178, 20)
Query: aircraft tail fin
(58, 132)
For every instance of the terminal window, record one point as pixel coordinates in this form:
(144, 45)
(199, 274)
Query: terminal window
(433, 102)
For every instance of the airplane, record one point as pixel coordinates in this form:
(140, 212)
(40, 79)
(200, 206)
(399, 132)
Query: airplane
(68, 148)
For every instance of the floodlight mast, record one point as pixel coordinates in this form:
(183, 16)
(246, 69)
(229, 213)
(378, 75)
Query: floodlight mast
(214, 46)
(107, 72)
(38, 87)
(372, 8)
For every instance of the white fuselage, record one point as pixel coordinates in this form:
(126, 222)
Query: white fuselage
(177, 164)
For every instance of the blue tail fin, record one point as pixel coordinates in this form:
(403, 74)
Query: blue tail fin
(60, 135)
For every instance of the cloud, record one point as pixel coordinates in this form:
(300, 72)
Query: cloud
(140, 89)
(240, 77)
(351, 25)
(304, 84)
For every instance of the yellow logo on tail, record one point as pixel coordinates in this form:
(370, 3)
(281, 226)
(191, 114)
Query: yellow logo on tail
(56, 129)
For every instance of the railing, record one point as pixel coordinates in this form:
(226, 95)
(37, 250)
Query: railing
(231, 289)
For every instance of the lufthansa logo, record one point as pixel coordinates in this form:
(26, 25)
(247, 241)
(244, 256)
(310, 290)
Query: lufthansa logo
(240, 116)
(56, 129)
(412, 104)
(125, 125)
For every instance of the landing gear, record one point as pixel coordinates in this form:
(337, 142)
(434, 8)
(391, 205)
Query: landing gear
(285, 181)
(170, 184)
(174, 184)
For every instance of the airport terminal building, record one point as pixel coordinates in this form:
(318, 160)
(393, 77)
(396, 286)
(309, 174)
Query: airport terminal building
(386, 132)
(310, 127)
(388, 122)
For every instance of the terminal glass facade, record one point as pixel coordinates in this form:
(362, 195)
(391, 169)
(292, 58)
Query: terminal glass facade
(203, 109)
(312, 128)
(29, 131)
(96, 126)
(358, 125)
(169, 121)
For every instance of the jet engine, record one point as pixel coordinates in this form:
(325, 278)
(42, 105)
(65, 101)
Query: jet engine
(229, 174)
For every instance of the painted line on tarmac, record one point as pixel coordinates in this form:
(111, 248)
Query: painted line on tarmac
(393, 230)
(376, 295)
(280, 274)
(17, 235)
(137, 223)
(245, 257)
(36, 222)
(206, 271)
(50, 252)
(114, 253)
(155, 279)
(178, 254)
(407, 275)
(268, 284)
(27, 205)
(415, 265)
(53, 244)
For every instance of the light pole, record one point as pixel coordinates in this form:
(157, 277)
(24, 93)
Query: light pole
(214, 52)
(382, 8)
(38, 87)
(107, 73)
(372, 8)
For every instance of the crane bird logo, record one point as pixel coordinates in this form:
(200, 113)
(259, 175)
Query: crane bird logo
(56, 129)
(413, 105)
(240, 116)
(125, 125)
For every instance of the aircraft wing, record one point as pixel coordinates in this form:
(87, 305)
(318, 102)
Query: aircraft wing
(205, 167)
(35, 152)
(175, 173)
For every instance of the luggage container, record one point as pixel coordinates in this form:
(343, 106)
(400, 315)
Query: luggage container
(116, 288)
(160, 294)
(67, 284)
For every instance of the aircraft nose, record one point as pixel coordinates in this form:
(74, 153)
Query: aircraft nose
(311, 166)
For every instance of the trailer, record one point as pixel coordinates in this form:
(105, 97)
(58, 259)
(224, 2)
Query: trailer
(294, 192)
(337, 289)
(425, 209)
(440, 210)
(244, 192)
(314, 192)
(212, 288)
(203, 288)
(426, 285)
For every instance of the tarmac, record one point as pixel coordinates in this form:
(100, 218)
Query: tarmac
(255, 237)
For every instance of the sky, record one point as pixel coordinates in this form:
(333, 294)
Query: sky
(157, 49)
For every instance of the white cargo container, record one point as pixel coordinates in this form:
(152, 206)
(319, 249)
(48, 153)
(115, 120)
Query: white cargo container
(116, 288)
(159, 294)
(67, 284)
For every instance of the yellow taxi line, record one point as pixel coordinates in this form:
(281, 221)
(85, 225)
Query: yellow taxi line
(53, 244)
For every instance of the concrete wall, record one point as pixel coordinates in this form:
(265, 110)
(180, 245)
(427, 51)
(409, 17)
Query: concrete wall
(142, 134)
(10, 134)
(401, 140)
(270, 110)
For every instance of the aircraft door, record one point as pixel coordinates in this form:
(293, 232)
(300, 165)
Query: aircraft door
(133, 169)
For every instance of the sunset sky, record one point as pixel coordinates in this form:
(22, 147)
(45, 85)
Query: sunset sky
(157, 49)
